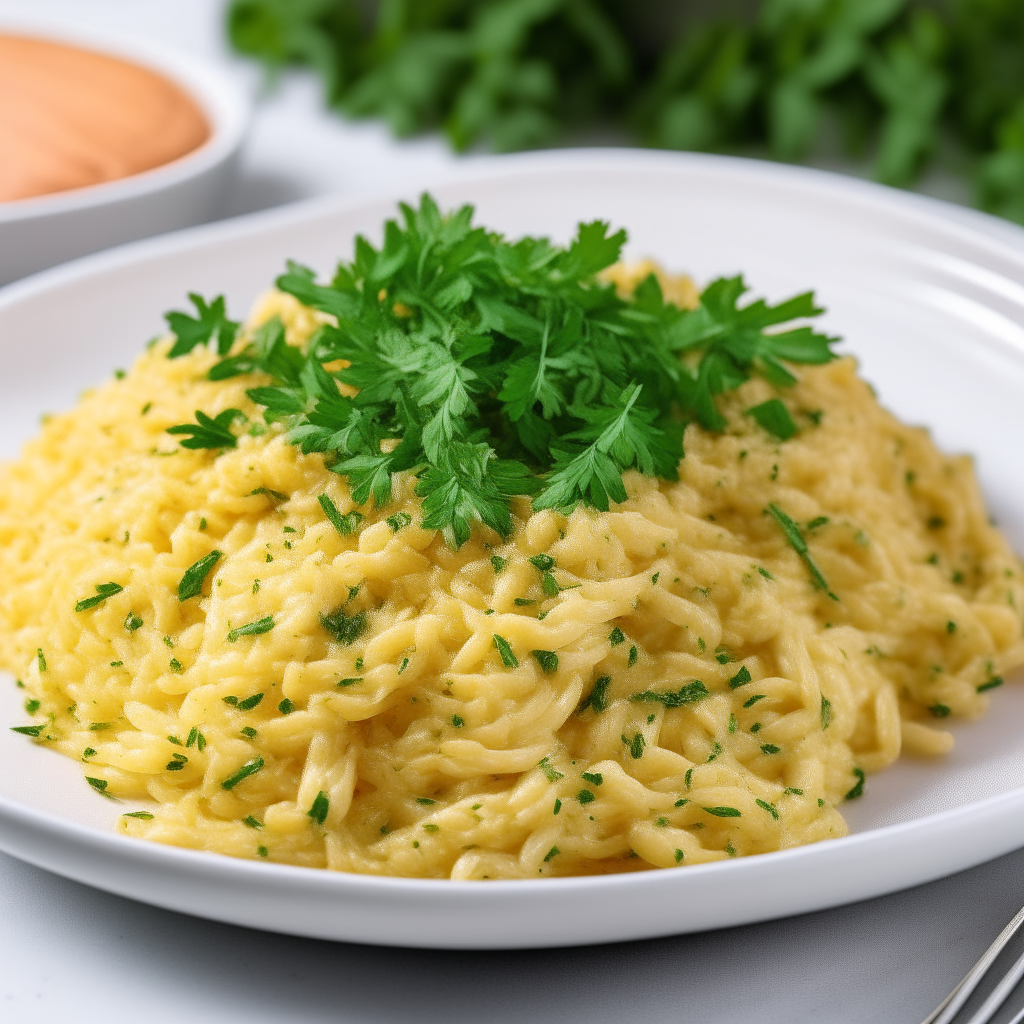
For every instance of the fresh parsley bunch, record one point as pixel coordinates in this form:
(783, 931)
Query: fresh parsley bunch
(490, 369)
(902, 83)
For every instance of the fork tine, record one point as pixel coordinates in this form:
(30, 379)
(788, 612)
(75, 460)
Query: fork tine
(948, 1008)
(999, 994)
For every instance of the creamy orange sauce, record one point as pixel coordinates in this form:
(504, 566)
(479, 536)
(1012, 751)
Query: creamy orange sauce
(71, 117)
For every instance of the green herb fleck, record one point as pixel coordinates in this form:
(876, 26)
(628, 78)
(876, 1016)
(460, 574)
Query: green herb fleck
(775, 418)
(547, 660)
(858, 790)
(508, 659)
(458, 721)
(191, 583)
(722, 812)
(598, 696)
(740, 679)
(689, 693)
(318, 810)
(991, 684)
(594, 778)
(247, 769)
(552, 774)
(103, 591)
(344, 628)
(498, 563)
(286, 707)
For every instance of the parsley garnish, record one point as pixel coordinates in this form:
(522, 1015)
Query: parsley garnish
(207, 431)
(636, 745)
(100, 785)
(498, 563)
(799, 545)
(598, 696)
(286, 707)
(741, 678)
(318, 811)
(250, 702)
(212, 323)
(264, 625)
(547, 660)
(991, 684)
(132, 622)
(826, 713)
(542, 562)
(398, 521)
(41, 659)
(252, 821)
(344, 628)
(857, 790)
(142, 815)
(458, 721)
(508, 659)
(594, 778)
(616, 636)
(28, 730)
(195, 737)
(689, 693)
(191, 583)
(553, 775)
(723, 812)
(585, 796)
(247, 769)
(346, 524)
(775, 418)
(505, 369)
(553, 852)
(633, 655)
(103, 591)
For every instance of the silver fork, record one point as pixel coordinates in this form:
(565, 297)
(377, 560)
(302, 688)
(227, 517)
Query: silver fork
(950, 1006)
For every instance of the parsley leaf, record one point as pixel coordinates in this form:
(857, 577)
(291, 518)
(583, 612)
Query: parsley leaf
(207, 431)
(212, 322)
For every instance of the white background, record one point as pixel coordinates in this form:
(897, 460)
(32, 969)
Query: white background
(71, 953)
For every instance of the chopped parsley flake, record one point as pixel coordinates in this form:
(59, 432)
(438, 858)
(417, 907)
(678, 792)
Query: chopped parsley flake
(252, 822)
(100, 785)
(633, 654)
(679, 855)
(769, 748)
(799, 545)
(558, 806)
(991, 684)
(585, 796)
(940, 710)
(247, 769)
(191, 584)
(689, 693)
(740, 679)
(826, 713)
(28, 730)
(547, 660)
(508, 659)
(431, 827)
(775, 418)
(286, 707)
(636, 745)
(594, 778)
(458, 721)
(616, 637)
(132, 622)
(346, 524)
(103, 591)
(751, 701)
(858, 789)
(318, 810)
(141, 815)
(344, 628)
(264, 625)
(552, 774)
(398, 521)
(498, 563)
(553, 852)
(722, 812)
(542, 562)
(598, 696)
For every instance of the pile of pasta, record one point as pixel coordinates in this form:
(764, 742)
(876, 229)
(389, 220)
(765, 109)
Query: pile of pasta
(681, 693)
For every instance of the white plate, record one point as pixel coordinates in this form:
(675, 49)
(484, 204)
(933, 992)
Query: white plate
(933, 307)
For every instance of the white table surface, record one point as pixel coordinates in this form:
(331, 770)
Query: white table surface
(69, 953)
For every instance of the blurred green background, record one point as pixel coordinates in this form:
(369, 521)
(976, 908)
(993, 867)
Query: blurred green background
(900, 87)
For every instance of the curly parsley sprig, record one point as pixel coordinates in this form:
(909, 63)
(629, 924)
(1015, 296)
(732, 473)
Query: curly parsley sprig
(490, 369)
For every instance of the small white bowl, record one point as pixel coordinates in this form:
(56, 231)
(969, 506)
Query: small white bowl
(43, 230)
